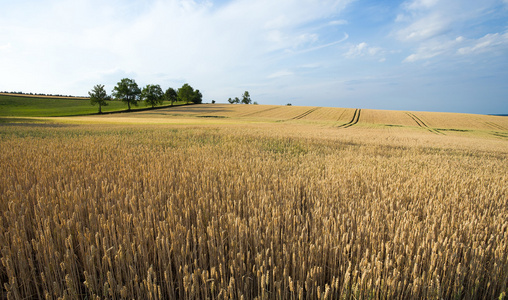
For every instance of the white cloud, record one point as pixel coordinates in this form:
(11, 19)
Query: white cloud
(320, 46)
(461, 46)
(434, 48)
(356, 50)
(5, 46)
(167, 41)
(362, 49)
(424, 28)
(420, 4)
(431, 27)
(421, 19)
(486, 43)
(341, 22)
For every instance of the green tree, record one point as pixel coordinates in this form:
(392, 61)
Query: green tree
(246, 98)
(186, 93)
(171, 95)
(152, 94)
(231, 101)
(99, 96)
(128, 91)
(236, 100)
(197, 98)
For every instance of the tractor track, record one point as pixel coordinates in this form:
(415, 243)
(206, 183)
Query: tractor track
(354, 121)
(301, 116)
(259, 112)
(495, 126)
(422, 124)
(342, 113)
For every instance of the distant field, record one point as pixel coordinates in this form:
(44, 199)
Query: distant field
(444, 124)
(49, 106)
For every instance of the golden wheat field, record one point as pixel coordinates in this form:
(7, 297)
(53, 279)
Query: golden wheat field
(255, 202)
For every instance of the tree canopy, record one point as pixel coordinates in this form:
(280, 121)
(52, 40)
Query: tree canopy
(128, 91)
(99, 96)
(171, 95)
(152, 94)
(197, 98)
(187, 94)
(246, 98)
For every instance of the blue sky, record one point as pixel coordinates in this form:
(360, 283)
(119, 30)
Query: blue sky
(428, 55)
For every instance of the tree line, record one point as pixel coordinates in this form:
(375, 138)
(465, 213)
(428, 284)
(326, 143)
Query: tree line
(245, 99)
(127, 91)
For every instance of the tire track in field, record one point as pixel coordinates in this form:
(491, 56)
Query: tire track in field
(354, 121)
(301, 116)
(422, 124)
(495, 126)
(259, 112)
(343, 112)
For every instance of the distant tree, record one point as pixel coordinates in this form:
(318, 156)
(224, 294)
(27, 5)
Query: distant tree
(289, 104)
(246, 98)
(197, 98)
(128, 91)
(152, 94)
(99, 96)
(231, 101)
(213, 101)
(171, 95)
(255, 103)
(236, 100)
(186, 93)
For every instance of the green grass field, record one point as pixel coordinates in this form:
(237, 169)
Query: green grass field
(33, 106)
